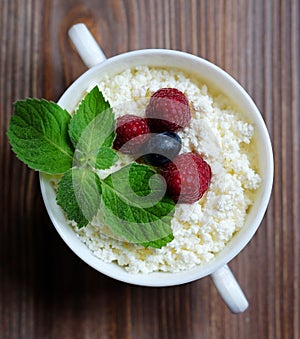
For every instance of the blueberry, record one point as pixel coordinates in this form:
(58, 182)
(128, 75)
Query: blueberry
(161, 148)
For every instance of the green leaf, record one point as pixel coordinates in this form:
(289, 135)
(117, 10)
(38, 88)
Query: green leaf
(106, 158)
(134, 206)
(91, 129)
(38, 135)
(79, 195)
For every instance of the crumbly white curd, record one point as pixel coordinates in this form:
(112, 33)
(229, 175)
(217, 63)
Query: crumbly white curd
(225, 139)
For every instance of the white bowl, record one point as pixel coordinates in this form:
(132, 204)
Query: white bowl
(211, 74)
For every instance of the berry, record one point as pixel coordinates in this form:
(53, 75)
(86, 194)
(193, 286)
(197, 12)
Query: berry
(131, 133)
(168, 110)
(187, 176)
(161, 148)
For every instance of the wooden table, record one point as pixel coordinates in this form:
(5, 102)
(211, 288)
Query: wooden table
(45, 290)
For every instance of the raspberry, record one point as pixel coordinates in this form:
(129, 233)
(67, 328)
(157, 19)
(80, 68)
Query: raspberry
(187, 176)
(168, 110)
(131, 133)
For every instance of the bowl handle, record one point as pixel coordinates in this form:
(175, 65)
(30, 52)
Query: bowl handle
(86, 46)
(229, 289)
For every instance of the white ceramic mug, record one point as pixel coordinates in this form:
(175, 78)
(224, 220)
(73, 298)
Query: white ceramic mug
(222, 277)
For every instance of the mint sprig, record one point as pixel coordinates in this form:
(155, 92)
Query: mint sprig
(131, 201)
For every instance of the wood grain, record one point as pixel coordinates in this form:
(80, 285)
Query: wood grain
(45, 290)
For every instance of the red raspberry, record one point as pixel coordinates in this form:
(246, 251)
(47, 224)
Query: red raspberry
(168, 110)
(187, 176)
(131, 133)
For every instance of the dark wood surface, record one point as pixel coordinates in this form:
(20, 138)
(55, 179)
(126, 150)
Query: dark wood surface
(45, 290)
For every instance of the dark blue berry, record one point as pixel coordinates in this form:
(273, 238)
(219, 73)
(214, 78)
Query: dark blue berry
(161, 148)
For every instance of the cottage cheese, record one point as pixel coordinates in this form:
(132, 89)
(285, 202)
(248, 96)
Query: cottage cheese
(225, 139)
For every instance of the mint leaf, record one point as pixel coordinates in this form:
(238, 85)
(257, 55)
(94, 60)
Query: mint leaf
(79, 195)
(131, 200)
(106, 158)
(91, 129)
(134, 206)
(38, 135)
